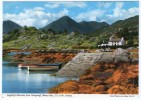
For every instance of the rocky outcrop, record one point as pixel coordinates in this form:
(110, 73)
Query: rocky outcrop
(43, 58)
(121, 55)
(83, 61)
(103, 78)
(18, 57)
(74, 87)
(79, 64)
(107, 73)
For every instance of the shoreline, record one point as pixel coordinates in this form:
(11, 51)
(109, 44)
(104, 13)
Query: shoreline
(88, 77)
(111, 80)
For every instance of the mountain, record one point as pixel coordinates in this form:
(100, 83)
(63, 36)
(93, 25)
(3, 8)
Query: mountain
(127, 28)
(92, 26)
(9, 26)
(131, 23)
(37, 39)
(66, 23)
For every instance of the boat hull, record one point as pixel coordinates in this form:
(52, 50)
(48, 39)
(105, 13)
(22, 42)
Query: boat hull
(45, 68)
(25, 66)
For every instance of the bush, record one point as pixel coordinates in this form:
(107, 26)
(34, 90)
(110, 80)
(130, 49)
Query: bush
(130, 42)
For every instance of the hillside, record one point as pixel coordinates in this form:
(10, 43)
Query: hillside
(10, 26)
(32, 38)
(92, 26)
(131, 23)
(128, 28)
(65, 23)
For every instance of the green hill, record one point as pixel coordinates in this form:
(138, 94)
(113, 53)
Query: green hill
(128, 28)
(10, 26)
(65, 23)
(32, 38)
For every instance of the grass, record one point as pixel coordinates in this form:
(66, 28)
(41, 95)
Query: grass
(58, 42)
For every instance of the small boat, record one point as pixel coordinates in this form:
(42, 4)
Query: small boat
(42, 68)
(58, 64)
(50, 64)
(24, 66)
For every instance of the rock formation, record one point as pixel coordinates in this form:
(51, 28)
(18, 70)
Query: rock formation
(103, 78)
(83, 61)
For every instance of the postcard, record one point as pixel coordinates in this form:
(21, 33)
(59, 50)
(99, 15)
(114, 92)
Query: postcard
(70, 49)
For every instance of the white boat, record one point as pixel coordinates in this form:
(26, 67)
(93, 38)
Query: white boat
(42, 68)
(25, 66)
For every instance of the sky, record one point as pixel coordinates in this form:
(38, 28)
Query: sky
(40, 14)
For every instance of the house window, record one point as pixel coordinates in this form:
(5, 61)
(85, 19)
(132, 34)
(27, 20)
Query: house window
(116, 43)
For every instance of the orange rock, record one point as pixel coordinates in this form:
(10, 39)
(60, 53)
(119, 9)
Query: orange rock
(117, 89)
(103, 78)
(67, 87)
(85, 89)
(101, 89)
(88, 77)
(47, 57)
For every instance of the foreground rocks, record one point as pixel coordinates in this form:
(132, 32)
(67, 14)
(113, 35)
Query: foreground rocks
(79, 64)
(101, 73)
(103, 78)
(43, 58)
(83, 61)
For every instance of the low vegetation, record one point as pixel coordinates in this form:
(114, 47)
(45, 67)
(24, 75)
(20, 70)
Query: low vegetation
(103, 78)
(32, 38)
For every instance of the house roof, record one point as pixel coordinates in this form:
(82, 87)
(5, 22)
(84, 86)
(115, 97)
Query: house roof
(115, 40)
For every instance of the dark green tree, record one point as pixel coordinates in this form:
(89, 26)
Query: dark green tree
(130, 42)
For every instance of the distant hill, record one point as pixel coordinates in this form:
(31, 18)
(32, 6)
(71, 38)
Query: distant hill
(9, 26)
(92, 26)
(66, 23)
(131, 23)
(38, 39)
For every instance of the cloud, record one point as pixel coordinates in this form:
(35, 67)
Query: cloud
(39, 17)
(92, 15)
(133, 11)
(52, 5)
(104, 4)
(120, 14)
(65, 4)
(38, 8)
(118, 11)
(35, 17)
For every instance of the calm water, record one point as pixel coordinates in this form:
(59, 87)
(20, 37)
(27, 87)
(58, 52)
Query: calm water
(22, 81)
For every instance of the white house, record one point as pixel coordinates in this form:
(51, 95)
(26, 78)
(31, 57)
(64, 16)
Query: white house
(104, 43)
(114, 41)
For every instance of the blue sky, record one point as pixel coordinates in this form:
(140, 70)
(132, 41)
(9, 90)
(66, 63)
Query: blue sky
(39, 14)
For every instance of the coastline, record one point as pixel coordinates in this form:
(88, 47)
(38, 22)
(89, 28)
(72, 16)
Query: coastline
(102, 85)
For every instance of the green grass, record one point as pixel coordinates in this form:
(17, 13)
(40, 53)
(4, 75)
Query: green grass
(59, 42)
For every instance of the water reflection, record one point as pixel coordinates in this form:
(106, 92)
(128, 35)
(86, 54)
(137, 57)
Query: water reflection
(25, 75)
(22, 81)
(14, 53)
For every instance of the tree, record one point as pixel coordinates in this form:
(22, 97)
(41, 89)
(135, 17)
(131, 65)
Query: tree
(130, 42)
(76, 33)
(51, 30)
(100, 40)
(125, 32)
(65, 31)
(59, 32)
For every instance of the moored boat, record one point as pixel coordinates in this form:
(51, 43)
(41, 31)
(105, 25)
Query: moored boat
(42, 68)
(57, 64)
(25, 66)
